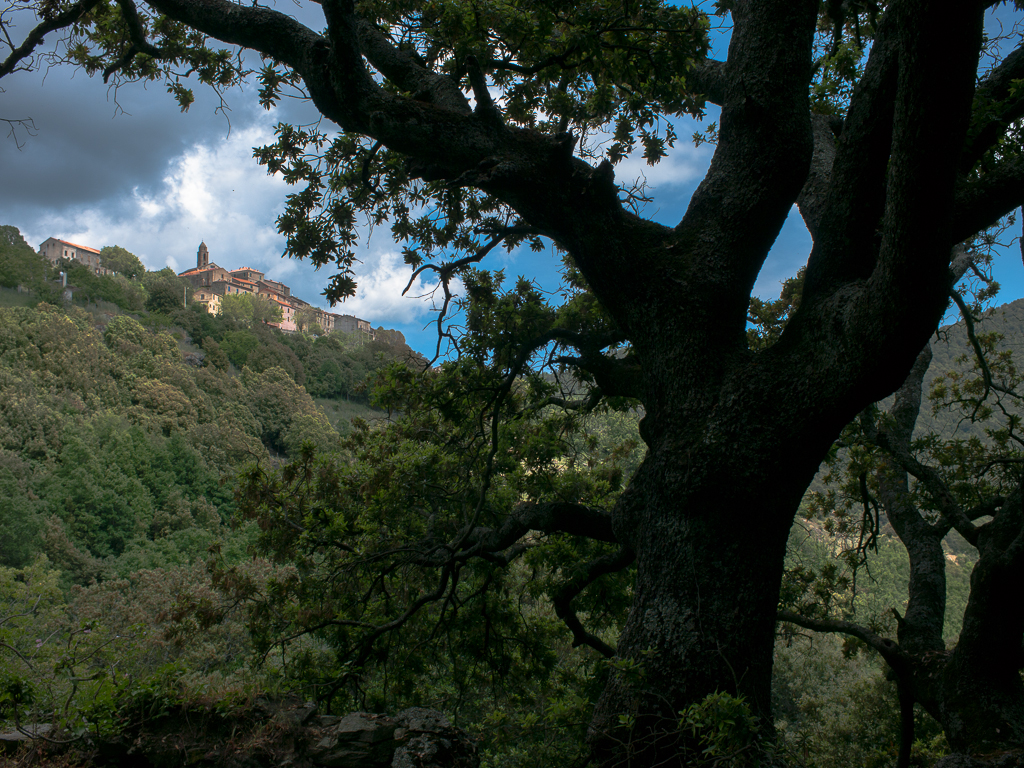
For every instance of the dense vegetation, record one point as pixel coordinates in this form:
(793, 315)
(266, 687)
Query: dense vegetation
(113, 438)
(894, 127)
(181, 523)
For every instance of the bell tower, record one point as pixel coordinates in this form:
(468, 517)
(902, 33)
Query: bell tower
(203, 257)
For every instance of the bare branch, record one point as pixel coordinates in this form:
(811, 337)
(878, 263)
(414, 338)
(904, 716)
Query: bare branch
(35, 37)
(562, 601)
(448, 269)
(886, 648)
(27, 124)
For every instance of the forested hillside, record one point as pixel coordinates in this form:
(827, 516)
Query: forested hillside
(120, 436)
(126, 421)
(189, 519)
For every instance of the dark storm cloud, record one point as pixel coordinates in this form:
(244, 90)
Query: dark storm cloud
(92, 144)
(84, 149)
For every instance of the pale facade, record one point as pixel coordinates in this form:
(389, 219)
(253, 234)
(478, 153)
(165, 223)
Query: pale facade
(287, 316)
(208, 299)
(249, 275)
(212, 282)
(54, 249)
(204, 278)
(352, 324)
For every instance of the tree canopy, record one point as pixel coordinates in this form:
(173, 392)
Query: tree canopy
(19, 263)
(122, 261)
(468, 127)
(250, 309)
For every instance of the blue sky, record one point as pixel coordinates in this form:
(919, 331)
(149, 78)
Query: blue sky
(127, 168)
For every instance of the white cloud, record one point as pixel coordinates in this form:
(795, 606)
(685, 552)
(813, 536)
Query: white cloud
(684, 165)
(212, 192)
(381, 280)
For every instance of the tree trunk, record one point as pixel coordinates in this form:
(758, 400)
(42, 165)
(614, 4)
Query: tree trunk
(982, 705)
(709, 530)
(975, 691)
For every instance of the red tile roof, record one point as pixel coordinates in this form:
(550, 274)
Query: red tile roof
(76, 245)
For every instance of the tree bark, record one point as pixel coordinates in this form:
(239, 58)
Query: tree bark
(975, 690)
(734, 438)
(700, 621)
(982, 693)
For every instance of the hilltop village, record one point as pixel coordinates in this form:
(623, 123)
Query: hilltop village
(212, 282)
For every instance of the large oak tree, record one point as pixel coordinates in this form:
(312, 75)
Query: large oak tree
(891, 166)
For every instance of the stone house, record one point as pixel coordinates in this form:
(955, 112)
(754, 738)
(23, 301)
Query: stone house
(53, 249)
(212, 282)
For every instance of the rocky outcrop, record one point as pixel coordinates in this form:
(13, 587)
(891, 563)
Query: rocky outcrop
(269, 734)
(414, 738)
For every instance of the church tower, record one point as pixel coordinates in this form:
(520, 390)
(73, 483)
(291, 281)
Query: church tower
(203, 257)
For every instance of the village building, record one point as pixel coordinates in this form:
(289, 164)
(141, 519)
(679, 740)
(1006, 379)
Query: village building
(272, 286)
(352, 324)
(208, 299)
(212, 282)
(249, 275)
(54, 249)
(287, 323)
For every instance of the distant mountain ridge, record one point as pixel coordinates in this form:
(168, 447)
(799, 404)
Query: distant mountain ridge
(949, 345)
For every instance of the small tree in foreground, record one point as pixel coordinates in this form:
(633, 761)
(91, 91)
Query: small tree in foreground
(927, 486)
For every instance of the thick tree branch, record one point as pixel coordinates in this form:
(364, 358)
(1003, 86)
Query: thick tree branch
(584, 405)
(562, 601)
(708, 78)
(759, 166)
(813, 195)
(478, 82)
(935, 486)
(995, 108)
(845, 248)
(590, 342)
(981, 202)
(616, 377)
(886, 648)
(546, 517)
(35, 37)
(886, 278)
(405, 70)
(270, 32)
(937, 72)
(906, 405)
(920, 630)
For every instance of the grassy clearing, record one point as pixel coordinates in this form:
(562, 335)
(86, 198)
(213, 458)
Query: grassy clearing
(11, 297)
